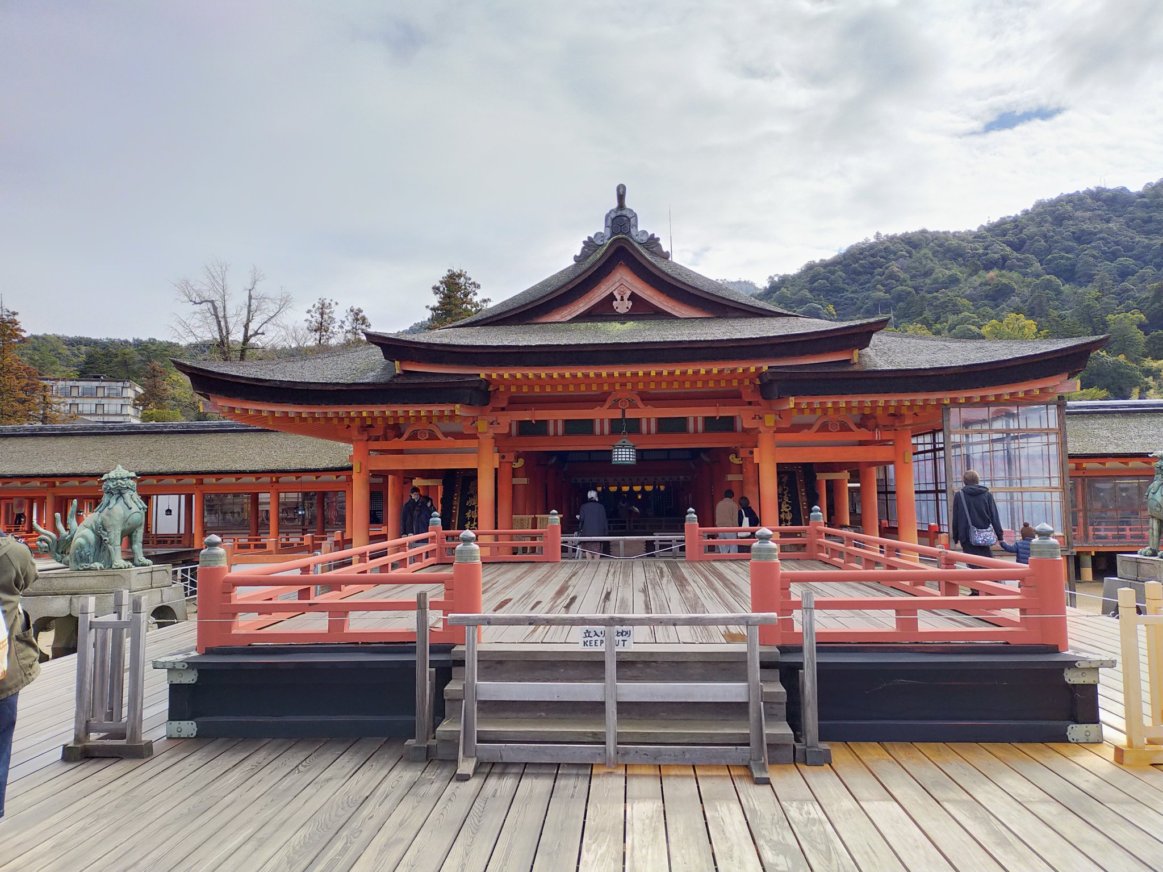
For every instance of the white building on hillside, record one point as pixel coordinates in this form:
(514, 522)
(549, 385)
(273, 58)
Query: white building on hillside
(101, 400)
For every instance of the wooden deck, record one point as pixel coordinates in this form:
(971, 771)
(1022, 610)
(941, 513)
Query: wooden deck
(628, 587)
(343, 804)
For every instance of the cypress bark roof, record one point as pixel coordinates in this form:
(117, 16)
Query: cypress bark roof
(186, 448)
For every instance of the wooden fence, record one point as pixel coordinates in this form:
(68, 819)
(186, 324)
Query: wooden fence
(1144, 731)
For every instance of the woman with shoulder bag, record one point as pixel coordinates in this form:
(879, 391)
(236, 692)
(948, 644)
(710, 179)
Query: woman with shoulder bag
(976, 522)
(17, 572)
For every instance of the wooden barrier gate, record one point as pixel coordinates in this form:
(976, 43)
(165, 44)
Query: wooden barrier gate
(1144, 734)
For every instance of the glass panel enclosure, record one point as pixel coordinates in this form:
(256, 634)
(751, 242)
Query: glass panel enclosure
(1017, 450)
(1113, 511)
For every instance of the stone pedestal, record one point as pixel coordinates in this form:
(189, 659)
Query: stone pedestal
(1133, 572)
(55, 598)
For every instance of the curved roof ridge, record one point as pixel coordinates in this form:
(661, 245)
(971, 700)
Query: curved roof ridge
(551, 285)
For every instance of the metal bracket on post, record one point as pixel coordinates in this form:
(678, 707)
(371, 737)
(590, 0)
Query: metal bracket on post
(1084, 733)
(810, 751)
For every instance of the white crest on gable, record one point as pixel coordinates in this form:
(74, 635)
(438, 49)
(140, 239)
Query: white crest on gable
(622, 301)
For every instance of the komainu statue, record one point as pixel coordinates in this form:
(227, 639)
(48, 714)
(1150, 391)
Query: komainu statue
(1155, 508)
(95, 543)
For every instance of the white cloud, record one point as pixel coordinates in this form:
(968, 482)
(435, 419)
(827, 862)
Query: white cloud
(357, 153)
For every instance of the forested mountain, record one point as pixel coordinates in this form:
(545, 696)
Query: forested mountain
(1079, 264)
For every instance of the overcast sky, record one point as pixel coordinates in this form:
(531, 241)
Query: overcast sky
(356, 153)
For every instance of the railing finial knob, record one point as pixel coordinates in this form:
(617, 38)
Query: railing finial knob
(764, 548)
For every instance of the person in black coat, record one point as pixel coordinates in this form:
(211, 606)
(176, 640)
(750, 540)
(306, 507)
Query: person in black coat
(974, 506)
(410, 514)
(592, 521)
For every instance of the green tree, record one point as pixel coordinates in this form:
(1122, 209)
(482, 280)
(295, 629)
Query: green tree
(1120, 378)
(1126, 337)
(23, 399)
(456, 298)
(1012, 326)
(156, 393)
(49, 355)
(321, 322)
(1154, 345)
(353, 324)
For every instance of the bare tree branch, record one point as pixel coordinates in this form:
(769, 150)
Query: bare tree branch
(230, 321)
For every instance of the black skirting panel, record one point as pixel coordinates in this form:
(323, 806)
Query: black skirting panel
(935, 693)
(324, 691)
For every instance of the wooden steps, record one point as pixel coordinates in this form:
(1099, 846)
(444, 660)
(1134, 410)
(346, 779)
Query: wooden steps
(640, 723)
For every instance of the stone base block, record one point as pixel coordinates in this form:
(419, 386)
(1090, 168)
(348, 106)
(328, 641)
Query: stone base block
(1110, 592)
(1136, 568)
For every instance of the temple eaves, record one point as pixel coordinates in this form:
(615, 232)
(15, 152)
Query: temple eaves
(621, 221)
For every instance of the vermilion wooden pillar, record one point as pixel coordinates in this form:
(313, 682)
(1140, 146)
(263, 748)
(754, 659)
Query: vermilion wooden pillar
(320, 508)
(505, 492)
(360, 494)
(768, 479)
(486, 482)
(393, 503)
(869, 522)
(273, 516)
(188, 526)
(840, 509)
(750, 478)
(254, 515)
(822, 497)
(197, 508)
(50, 509)
(906, 498)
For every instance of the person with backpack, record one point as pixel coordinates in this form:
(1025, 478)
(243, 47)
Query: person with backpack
(22, 665)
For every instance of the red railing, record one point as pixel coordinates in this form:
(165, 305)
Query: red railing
(271, 601)
(1016, 603)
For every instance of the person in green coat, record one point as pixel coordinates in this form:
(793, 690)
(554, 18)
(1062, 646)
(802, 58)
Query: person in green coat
(17, 572)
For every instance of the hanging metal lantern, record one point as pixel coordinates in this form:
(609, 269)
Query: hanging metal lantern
(624, 453)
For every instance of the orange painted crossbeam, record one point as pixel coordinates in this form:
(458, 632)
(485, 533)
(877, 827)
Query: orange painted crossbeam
(970, 606)
(347, 578)
(321, 605)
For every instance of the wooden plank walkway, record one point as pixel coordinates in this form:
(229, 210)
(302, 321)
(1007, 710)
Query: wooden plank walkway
(357, 804)
(627, 586)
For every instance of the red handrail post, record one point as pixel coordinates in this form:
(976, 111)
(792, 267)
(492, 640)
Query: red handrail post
(766, 586)
(945, 560)
(436, 538)
(551, 544)
(694, 550)
(467, 582)
(815, 525)
(1048, 582)
(212, 572)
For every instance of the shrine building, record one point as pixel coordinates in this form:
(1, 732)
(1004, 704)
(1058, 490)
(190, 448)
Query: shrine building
(659, 388)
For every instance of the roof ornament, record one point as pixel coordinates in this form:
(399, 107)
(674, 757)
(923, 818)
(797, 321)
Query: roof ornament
(622, 221)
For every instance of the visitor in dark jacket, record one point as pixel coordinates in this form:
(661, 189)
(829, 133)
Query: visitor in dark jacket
(974, 506)
(409, 514)
(592, 521)
(747, 515)
(1022, 546)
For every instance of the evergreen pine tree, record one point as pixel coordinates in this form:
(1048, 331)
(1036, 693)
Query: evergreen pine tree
(456, 298)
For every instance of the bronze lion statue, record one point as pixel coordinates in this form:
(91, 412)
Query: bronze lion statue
(95, 543)
(1155, 509)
